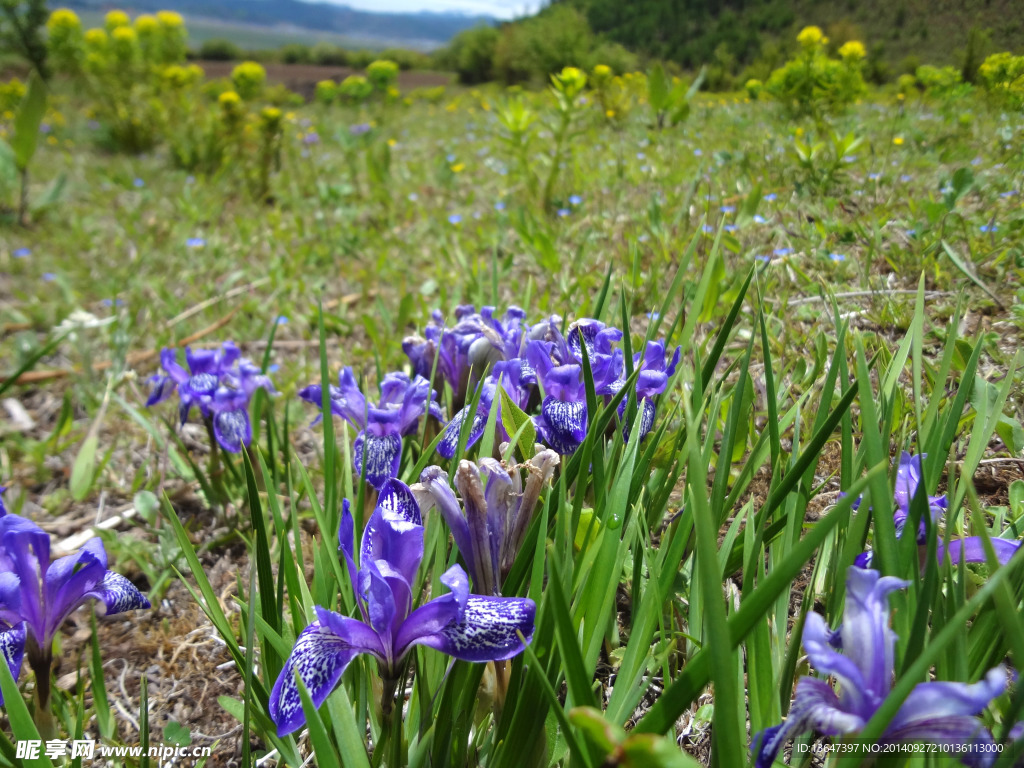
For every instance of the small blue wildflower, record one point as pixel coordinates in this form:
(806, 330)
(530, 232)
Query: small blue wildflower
(730, 227)
(653, 315)
(112, 303)
(643, 238)
(575, 200)
(359, 129)
(311, 138)
(771, 197)
(837, 257)
(976, 161)
(708, 228)
(455, 219)
(849, 158)
(728, 209)
(640, 156)
(906, 177)
(413, 197)
(49, 277)
(563, 212)
(45, 128)
(1008, 193)
(282, 320)
(782, 251)
(138, 183)
(874, 176)
(22, 253)
(910, 232)
(698, 152)
(759, 219)
(450, 157)
(762, 258)
(989, 227)
(195, 242)
(500, 205)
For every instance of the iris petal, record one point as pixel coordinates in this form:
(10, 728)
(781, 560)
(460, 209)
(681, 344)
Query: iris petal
(563, 424)
(232, 429)
(383, 456)
(487, 631)
(320, 656)
(12, 646)
(816, 707)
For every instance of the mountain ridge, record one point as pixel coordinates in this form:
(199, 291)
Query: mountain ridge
(436, 27)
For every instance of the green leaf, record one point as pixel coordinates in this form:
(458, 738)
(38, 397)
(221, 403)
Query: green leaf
(176, 733)
(22, 726)
(27, 121)
(84, 469)
(657, 88)
(515, 421)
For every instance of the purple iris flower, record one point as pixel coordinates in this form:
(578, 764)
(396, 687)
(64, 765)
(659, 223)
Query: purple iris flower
(220, 382)
(562, 422)
(468, 627)
(655, 371)
(969, 549)
(497, 512)
(381, 427)
(37, 596)
(934, 711)
(476, 341)
(517, 378)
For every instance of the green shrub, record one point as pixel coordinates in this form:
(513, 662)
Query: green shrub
(815, 84)
(938, 81)
(471, 55)
(218, 49)
(328, 55)
(295, 53)
(1002, 75)
(66, 41)
(279, 96)
(382, 74)
(326, 92)
(354, 89)
(249, 79)
(406, 59)
(541, 46)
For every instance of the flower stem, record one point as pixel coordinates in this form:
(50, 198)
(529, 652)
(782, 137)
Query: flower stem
(41, 660)
(391, 738)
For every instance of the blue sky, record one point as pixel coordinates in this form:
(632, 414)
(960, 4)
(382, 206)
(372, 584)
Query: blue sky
(504, 9)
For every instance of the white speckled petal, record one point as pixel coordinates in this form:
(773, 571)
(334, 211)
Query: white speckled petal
(450, 438)
(12, 646)
(563, 424)
(397, 502)
(487, 631)
(118, 594)
(383, 454)
(320, 655)
(232, 429)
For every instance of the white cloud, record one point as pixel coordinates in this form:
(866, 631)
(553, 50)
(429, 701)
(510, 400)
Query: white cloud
(502, 9)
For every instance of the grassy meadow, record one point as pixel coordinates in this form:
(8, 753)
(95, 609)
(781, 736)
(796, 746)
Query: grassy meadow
(841, 290)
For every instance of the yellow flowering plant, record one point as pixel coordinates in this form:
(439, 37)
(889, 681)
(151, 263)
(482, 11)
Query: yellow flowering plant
(814, 83)
(249, 78)
(133, 73)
